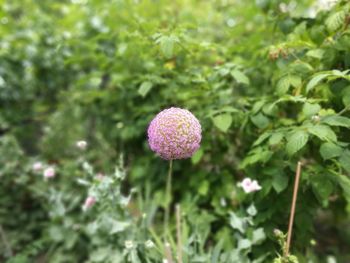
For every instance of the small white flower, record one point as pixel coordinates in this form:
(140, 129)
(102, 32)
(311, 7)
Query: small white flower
(149, 244)
(129, 244)
(249, 185)
(37, 166)
(81, 145)
(165, 261)
(49, 172)
(223, 202)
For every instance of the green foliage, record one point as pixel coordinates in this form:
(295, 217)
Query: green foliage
(269, 83)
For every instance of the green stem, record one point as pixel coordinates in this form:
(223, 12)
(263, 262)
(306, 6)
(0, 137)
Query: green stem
(168, 197)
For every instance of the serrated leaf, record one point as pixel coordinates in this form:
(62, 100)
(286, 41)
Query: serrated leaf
(323, 132)
(330, 150)
(145, 88)
(316, 80)
(286, 82)
(336, 120)
(296, 141)
(240, 77)
(260, 120)
(311, 109)
(167, 44)
(335, 21)
(276, 138)
(223, 121)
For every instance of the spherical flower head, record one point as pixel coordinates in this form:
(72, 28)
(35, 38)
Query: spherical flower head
(174, 134)
(49, 172)
(37, 166)
(81, 145)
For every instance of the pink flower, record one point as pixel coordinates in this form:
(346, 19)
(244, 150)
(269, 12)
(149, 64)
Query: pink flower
(37, 166)
(174, 134)
(99, 176)
(49, 172)
(89, 202)
(249, 185)
(81, 145)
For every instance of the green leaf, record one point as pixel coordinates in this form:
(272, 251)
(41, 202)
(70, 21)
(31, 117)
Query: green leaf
(315, 53)
(311, 109)
(344, 183)
(223, 121)
(244, 244)
(240, 77)
(118, 226)
(203, 188)
(330, 150)
(315, 80)
(336, 120)
(252, 210)
(345, 160)
(324, 133)
(296, 141)
(197, 156)
(276, 138)
(167, 44)
(322, 187)
(145, 88)
(335, 21)
(260, 120)
(237, 222)
(346, 96)
(261, 138)
(258, 236)
(286, 82)
(280, 182)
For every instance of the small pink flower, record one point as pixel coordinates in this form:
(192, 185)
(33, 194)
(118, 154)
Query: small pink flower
(99, 176)
(49, 172)
(37, 166)
(249, 185)
(89, 202)
(81, 145)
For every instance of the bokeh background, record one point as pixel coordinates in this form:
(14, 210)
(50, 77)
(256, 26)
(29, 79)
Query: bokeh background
(267, 79)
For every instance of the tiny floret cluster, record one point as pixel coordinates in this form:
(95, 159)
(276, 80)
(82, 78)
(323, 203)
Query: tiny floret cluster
(174, 134)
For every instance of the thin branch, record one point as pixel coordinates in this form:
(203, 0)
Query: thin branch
(292, 211)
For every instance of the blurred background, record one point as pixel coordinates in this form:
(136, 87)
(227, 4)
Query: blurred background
(265, 78)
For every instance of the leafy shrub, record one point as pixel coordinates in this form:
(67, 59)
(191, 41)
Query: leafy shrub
(268, 81)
